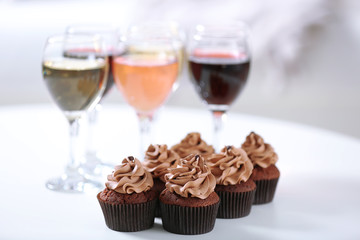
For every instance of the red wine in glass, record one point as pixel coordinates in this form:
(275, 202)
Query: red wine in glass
(219, 78)
(219, 63)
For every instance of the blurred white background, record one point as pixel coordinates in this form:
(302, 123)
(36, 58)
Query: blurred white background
(306, 53)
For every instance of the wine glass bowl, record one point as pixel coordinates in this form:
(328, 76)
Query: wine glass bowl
(76, 85)
(219, 63)
(109, 35)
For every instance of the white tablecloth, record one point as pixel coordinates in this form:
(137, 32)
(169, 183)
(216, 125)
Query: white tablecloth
(317, 196)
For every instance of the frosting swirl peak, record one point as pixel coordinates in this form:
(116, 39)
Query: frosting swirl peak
(193, 144)
(231, 166)
(158, 158)
(191, 178)
(259, 152)
(130, 177)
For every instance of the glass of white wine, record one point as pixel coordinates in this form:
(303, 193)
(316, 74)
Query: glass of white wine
(76, 85)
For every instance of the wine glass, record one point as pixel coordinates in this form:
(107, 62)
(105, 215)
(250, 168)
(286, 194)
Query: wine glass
(219, 63)
(145, 75)
(93, 165)
(76, 85)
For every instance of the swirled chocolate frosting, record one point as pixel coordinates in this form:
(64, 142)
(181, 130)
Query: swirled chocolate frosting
(231, 166)
(193, 144)
(130, 177)
(158, 159)
(191, 178)
(259, 152)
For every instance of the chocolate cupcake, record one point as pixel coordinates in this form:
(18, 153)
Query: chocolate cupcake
(158, 159)
(193, 144)
(265, 173)
(128, 202)
(189, 204)
(232, 169)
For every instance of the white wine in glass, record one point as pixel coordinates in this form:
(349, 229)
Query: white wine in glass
(76, 85)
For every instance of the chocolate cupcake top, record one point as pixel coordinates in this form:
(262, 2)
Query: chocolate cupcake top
(130, 177)
(193, 144)
(260, 153)
(158, 158)
(230, 167)
(191, 178)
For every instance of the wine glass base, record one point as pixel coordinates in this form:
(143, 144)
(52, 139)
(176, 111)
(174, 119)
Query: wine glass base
(93, 167)
(74, 184)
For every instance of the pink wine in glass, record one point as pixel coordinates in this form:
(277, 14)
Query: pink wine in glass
(144, 81)
(219, 77)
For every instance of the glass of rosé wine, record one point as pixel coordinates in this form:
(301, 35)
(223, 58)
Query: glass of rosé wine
(145, 74)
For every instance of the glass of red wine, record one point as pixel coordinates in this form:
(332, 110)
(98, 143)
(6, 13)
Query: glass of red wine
(219, 63)
(93, 166)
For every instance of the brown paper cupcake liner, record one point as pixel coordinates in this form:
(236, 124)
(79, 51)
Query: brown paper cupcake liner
(235, 204)
(265, 190)
(129, 217)
(188, 220)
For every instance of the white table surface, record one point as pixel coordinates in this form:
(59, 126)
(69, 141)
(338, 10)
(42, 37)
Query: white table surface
(318, 195)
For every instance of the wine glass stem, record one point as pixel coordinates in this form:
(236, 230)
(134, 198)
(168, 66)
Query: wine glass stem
(219, 120)
(74, 161)
(145, 123)
(93, 117)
